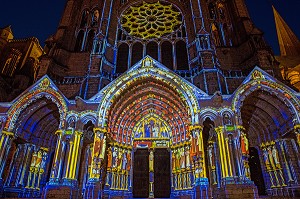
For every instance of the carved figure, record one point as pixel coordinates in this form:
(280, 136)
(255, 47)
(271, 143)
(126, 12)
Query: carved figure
(128, 160)
(115, 157)
(187, 157)
(151, 160)
(33, 159)
(244, 144)
(109, 158)
(275, 155)
(182, 158)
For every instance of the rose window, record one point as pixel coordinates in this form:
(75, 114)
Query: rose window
(151, 20)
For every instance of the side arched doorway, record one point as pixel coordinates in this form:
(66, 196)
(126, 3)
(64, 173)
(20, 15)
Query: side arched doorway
(29, 160)
(269, 139)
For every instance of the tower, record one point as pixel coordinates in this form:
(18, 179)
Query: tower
(212, 44)
(289, 51)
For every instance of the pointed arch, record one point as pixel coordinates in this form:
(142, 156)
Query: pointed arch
(271, 87)
(152, 49)
(167, 54)
(79, 41)
(42, 89)
(170, 80)
(84, 19)
(122, 58)
(90, 40)
(182, 56)
(136, 53)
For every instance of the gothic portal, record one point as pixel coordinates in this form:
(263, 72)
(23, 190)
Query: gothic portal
(153, 99)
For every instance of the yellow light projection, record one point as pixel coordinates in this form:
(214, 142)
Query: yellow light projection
(151, 20)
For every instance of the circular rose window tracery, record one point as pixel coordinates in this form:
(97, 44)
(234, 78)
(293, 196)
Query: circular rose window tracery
(151, 20)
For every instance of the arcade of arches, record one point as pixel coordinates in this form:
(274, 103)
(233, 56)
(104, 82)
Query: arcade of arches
(150, 136)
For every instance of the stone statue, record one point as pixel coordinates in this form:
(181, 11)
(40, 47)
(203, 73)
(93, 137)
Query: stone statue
(33, 159)
(187, 157)
(173, 161)
(151, 160)
(275, 155)
(39, 159)
(244, 144)
(120, 159)
(128, 160)
(212, 133)
(115, 157)
(124, 163)
(182, 158)
(109, 158)
(177, 159)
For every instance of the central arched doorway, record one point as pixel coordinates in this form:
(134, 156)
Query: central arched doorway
(147, 115)
(148, 124)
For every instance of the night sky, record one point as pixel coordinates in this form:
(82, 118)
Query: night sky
(40, 18)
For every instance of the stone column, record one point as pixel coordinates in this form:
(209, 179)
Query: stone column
(287, 166)
(234, 187)
(63, 180)
(18, 167)
(56, 170)
(72, 159)
(273, 165)
(36, 170)
(5, 144)
(223, 147)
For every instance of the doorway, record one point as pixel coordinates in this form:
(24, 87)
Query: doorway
(256, 172)
(162, 173)
(141, 174)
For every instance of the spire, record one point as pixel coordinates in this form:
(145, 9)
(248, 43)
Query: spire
(8, 29)
(288, 42)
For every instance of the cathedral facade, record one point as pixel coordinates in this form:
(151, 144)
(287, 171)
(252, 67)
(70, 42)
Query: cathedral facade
(153, 99)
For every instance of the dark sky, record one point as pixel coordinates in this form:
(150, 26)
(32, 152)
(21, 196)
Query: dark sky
(40, 17)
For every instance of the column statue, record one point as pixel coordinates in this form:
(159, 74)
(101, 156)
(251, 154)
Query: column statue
(120, 159)
(115, 157)
(177, 159)
(244, 144)
(173, 161)
(151, 160)
(109, 158)
(128, 160)
(182, 158)
(187, 157)
(124, 163)
(275, 156)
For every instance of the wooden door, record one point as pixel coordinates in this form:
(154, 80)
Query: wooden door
(162, 173)
(141, 173)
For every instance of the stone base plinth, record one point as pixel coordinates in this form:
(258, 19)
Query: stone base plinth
(60, 192)
(236, 191)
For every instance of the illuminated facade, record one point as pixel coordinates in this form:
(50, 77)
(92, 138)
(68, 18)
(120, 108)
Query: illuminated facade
(131, 105)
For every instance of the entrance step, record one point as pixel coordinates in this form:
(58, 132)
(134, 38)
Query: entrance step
(277, 197)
